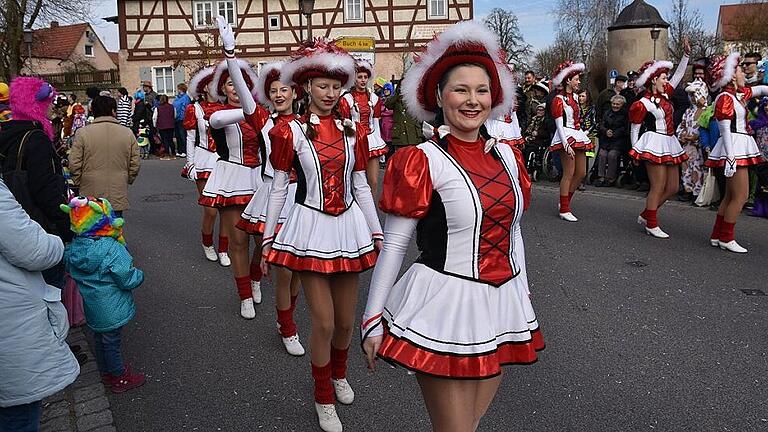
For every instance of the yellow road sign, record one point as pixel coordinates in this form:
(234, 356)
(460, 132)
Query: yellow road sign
(356, 43)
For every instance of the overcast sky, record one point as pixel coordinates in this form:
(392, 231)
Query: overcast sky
(537, 21)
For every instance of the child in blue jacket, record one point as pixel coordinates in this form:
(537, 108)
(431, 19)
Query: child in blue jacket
(103, 269)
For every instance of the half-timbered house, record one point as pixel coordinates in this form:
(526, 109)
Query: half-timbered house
(164, 40)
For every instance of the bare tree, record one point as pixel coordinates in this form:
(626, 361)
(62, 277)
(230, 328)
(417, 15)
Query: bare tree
(586, 22)
(684, 21)
(504, 24)
(27, 14)
(545, 60)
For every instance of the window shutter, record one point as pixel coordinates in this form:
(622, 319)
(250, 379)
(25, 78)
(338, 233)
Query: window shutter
(145, 74)
(179, 75)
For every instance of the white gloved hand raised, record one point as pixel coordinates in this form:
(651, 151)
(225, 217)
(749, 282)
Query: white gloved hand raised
(227, 36)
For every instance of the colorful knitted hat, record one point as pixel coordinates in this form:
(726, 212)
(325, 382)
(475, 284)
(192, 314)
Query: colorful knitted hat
(5, 92)
(94, 217)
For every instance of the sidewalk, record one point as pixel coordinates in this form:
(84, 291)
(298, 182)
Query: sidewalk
(83, 406)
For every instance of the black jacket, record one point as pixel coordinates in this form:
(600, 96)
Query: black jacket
(45, 175)
(618, 122)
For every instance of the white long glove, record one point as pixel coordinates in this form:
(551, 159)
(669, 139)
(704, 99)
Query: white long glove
(634, 133)
(679, 72)
(277, 198)
(398, 231)
(563, 137)
(228, 42)
(364, 198)
(725, 133)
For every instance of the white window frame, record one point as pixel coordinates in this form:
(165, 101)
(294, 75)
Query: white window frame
(269, 22)
(348, 8)
(215, 8)
(93, 50)
(170, 91)
(432, 14)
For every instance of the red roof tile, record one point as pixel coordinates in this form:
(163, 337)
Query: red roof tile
(57, 42)
(728, 21)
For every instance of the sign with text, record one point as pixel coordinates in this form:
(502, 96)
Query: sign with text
(427, 31)
(356, 43)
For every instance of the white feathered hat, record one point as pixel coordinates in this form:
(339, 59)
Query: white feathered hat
(199, 82)
(268, 74)
(464, 42)
(320, 58)
(652, 69)
(565, 70)
(221, 75)
(364, 66)
(720, 70)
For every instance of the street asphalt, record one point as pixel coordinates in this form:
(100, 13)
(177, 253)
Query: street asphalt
(642, 334)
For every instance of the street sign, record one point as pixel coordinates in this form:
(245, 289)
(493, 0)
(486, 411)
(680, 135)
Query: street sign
(614, 74)
(356, 43)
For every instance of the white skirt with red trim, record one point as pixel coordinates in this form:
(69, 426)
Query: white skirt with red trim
(505, 132)
(744, 148)
(311, 240)
(449, 327)
(577, 138)
(254, 217)
(659, 149)
(376, 145)
(230, 184)
(205, 162)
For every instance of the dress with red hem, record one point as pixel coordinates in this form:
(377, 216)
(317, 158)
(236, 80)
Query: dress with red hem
(657, 142)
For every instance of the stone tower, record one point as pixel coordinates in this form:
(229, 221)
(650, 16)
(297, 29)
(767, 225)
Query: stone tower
(630, 42)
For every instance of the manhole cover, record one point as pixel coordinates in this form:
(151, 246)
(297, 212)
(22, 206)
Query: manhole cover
(753, 292)
(637, 263)
(164, 197)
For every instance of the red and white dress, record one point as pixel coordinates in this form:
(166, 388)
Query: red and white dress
(254, 217)
(364, 107)
(333, 223)
(237, 175)
(196, 123)
(462, 310)
(565, 105)
(653, 130)
(506, 129)
(730, 105)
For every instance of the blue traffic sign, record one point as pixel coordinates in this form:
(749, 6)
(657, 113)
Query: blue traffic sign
(614, 73)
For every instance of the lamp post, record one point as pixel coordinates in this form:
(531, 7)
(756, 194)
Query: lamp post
(655, 32)
(307, 7)
(28, 41)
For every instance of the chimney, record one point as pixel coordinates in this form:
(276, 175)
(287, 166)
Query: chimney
(54, 24)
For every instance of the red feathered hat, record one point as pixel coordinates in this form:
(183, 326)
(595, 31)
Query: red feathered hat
(652, 69)
(320, 58)
(565, 70)
(721, 69)
(221, 75)
(199, 82)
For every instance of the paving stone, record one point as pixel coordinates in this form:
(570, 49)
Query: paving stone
(92, 421)
(91, 366)
(56, 397)
(105, 429)
(91, 406)
(58, 424)
(56, 409)
(88, 379)
(87, 393)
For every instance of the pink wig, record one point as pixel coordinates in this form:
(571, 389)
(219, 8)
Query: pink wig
(30, 99)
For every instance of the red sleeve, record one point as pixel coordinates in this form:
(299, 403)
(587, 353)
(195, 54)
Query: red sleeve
(190, 118)
(637, 113)
(377, 109)
(344, 109)
(747, 93)
(408, 186)
(283, 153)
(668, 89)
(361, 148)
(557, 107)
(522, 174)
(258, 119)
(724, 108)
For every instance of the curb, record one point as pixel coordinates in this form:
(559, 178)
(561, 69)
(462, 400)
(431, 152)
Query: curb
(84, 405)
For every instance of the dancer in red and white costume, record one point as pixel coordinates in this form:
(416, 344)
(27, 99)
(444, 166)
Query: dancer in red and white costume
(506, 129)
(237, 175)
(736, 149)
(280, 97)
(653, 138)
(332, 232)
(462, 310)
(569, 140)
(364, 106)
(202, 156)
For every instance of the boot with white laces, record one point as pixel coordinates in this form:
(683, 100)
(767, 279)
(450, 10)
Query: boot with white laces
(256, 291)
(247, 310)
(568, 217)
(732, 246)
(344, 393)
(327, 417)
(210, 253)
(293, 345)
(224, 259)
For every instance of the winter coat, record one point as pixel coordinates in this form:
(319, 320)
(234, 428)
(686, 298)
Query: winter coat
(405, 129)
(35, 361)
(45, 174)
(125, 111)
(180, 103)
(618, 122)
(164, 117)
(141, 112)
(386, 124)
(104, 160)
(104, 272)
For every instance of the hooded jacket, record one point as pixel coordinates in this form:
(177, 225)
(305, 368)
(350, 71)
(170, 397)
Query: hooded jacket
(104, 272)
(46, 180)
(35, 361)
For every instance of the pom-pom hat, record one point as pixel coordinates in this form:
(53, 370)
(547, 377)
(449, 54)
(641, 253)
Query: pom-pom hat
(652, 69)
(721, 69)
(221, 75)
(464, 42)
(268, 74)
(199, 82)
(319, 58)
(565, 70)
